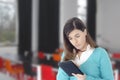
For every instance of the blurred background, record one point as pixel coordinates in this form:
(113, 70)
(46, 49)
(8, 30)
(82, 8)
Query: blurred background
(31, 40)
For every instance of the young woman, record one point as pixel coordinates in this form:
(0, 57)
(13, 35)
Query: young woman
(80, 48)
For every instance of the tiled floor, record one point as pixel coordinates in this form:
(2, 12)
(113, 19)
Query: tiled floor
(5, 77)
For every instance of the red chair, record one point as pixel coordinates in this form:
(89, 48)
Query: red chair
(47, 73)
(13, 70)
(41, 55)
(116, 55)
(1, 63)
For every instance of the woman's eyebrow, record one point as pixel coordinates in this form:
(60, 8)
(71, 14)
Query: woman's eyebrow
(76, 34)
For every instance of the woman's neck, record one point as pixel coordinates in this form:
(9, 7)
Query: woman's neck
(84, 48)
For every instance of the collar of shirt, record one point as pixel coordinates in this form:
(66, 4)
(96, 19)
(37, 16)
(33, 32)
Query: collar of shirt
(84, 56)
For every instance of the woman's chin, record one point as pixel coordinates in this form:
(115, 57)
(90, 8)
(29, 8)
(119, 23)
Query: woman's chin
(78, 48)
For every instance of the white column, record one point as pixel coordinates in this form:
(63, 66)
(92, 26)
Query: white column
(35, 14)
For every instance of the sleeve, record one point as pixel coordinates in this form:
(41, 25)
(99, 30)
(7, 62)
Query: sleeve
(61, 75)
(62, 56)
(105, 68)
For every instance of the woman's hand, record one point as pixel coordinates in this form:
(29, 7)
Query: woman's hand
(79, 76)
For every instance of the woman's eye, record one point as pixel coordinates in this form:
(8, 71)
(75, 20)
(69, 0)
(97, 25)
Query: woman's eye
(77, 36)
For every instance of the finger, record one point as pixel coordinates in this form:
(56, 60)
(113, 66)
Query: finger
(74, 74)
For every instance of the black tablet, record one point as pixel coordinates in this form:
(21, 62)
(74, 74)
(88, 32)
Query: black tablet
(69, 67)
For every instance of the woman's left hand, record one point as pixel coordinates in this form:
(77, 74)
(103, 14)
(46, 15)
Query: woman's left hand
(79, 76)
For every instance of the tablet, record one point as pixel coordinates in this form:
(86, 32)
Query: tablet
(69, 67)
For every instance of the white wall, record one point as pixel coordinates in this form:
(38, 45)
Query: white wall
(108, 24)
(68, 9)
(108, 21)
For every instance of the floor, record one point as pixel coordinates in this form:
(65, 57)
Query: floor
(5, 77)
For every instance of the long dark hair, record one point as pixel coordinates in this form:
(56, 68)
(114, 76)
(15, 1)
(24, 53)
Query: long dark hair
(71, 24)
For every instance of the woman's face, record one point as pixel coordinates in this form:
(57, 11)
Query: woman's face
(78, 39)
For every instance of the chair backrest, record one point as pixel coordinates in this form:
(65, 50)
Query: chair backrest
(46, 69)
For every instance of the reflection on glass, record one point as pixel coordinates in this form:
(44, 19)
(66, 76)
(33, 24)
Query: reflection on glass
(82, 12)
(8, 1)
(8, 22)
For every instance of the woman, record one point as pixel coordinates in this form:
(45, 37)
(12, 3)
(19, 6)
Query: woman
(93, 61)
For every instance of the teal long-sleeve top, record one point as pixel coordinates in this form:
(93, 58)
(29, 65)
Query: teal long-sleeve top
(97, 67)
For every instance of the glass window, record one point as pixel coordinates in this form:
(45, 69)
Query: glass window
(8, 25)
(82, 9)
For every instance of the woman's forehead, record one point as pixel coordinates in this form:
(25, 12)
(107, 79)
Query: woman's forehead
(75, 32)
